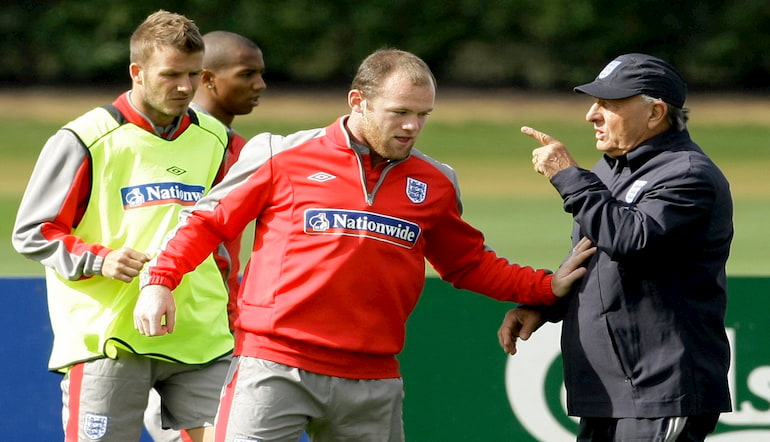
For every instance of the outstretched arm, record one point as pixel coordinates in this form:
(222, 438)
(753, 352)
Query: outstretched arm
(552, 157)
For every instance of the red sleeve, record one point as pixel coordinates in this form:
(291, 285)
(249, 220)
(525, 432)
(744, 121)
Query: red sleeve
(229, 265)
(192, 242)
(458, 253)
(219, 217)
(234, 148)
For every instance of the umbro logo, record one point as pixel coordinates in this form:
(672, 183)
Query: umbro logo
(176, 170)
(321, 177)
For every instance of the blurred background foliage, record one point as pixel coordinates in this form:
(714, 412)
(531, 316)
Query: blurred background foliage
(536, 44)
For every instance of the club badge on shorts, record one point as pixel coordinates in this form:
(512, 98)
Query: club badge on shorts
(416, 190)
(95, 425)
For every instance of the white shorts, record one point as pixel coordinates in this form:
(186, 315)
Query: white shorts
(105, 399)
(272, 402)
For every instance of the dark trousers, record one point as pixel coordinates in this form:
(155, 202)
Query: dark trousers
(664, 429)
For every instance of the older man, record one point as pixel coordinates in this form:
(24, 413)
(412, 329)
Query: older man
(645, 350)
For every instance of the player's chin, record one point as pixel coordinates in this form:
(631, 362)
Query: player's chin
(398, 156)
(178, 110)
(400, 152)
(246, 108)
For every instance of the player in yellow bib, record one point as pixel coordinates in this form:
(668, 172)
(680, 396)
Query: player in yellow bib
(106, 190)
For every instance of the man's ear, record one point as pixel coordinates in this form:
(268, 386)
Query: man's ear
(356, 101)
(658, 113)
(135, 71)
(207, 79)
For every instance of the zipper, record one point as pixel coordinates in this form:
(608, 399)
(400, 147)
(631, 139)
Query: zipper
(369, 196)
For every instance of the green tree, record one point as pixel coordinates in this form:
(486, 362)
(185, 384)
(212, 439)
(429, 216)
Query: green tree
(540, 44)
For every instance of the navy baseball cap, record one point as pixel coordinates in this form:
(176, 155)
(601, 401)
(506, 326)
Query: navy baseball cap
(634, 74)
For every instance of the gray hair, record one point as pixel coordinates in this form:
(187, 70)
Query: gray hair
(677, 116)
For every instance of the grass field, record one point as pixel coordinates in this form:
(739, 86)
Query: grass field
(476, 133)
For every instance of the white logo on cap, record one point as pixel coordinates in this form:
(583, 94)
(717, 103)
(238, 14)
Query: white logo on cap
(609, 68)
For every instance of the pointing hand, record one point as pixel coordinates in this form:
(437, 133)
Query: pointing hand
(552, 157)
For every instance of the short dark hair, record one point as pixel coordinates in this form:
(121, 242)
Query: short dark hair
(222, 48)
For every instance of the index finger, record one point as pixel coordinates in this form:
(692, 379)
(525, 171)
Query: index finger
(541, 137)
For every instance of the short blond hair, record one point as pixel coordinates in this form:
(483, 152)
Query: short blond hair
(382, 63)
(163, 28)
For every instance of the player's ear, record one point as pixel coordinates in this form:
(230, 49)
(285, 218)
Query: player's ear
(356, 100)
(207, 79)
(135, 71)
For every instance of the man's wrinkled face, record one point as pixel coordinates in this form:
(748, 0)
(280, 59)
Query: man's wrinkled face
(620, 125)
(168, 81)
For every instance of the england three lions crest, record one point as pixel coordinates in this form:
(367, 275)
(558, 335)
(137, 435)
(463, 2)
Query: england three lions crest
(416, 190)
(95, 426)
